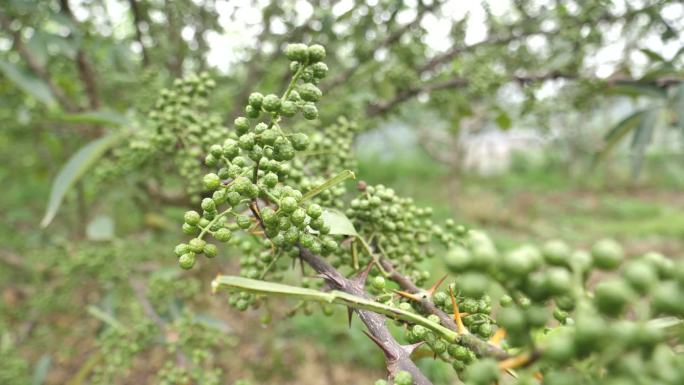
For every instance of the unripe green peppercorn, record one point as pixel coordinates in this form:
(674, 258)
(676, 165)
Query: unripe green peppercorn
(288, 108)
(211, 181)
(271, 103)
(181, 249)
(640, 275)
(482, 372)
(300, 141)
(190, 229)
(314, 210)
(378, 283)
(251, 113)
(310, 92)
(288, 204)
(223, 235)
(556, 252)
(187, 260)
(458, 259)
(241, 125)
(316, 53)
(297, 52)
(607, 254)
(298, 216)
(310, 111)
(320, 70)
(208, 204)
(247, 141)
(196, 245)
(210, 250)
(243, 221)
(192, 217)
(255, 100)
(380, 382)
(402, 377)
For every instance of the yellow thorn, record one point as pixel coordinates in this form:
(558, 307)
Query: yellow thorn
(461, 329)
(538, 376)
(407, 295)
(514, 362)
(497, 337)
(434, 287)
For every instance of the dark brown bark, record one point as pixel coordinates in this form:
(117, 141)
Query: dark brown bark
(398, 357)
(138, 19)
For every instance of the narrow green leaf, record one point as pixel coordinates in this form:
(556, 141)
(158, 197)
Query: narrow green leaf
(41, 370)
(336, 297)
(27, 82)
(339, 178)
(338, 222)
(618, 132)
(638, 89)
(73, 170)
(106, 317)
(641, 139)
(654, 56)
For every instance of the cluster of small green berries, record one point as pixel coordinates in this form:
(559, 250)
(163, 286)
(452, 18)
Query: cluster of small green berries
(534, 279)
(179, 128)
(403, 231)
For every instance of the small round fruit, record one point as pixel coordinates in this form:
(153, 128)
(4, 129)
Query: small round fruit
(607, 254)
(187, 261)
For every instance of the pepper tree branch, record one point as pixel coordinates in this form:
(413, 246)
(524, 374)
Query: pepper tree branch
(34, 65)
(137, 22)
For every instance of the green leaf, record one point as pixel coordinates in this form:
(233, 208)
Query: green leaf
(338, 222)
(100, 229)
(618, 132)
(41, 370)
(339, 178)
(337, 297)
(73, 170)
(654, 56)
(101, 118)
(641, 139)
(638, 89)
(27, 82)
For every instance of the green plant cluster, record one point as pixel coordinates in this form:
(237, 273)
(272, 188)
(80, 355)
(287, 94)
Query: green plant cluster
(179, 128)
(552, 323)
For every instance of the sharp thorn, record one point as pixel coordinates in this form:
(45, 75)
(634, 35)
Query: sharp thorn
(409, 349)
(497, 337)
(350, 313)
(434, 287)
(457, 315)
(388, 354)
(363, 275)
(407, 295)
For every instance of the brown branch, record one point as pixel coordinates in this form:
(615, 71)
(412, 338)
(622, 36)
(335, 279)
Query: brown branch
(175, 40)
(480, 347)
(382, 107)
(397, 356)
(386, 42)
(137, 22)
(85, 69)
(34, 65)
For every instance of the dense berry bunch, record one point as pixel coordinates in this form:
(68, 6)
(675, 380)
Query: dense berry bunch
(179, 129)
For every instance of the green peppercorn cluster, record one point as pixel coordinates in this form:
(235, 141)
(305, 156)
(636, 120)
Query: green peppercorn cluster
(253, 186)
(400, 231)
(178, 129)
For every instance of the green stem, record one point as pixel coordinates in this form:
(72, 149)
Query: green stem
(335, 296)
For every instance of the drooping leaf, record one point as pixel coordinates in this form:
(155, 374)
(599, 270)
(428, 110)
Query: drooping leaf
(637, 90)
(338, 222)
(41, 370)
(642, 138)
(339, 178)
(73, 170)
(618, 132)
(654, 56)
(27, 82)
